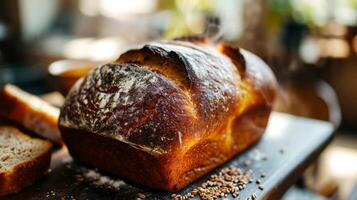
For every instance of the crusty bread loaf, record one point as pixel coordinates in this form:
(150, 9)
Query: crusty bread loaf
(166, 114)
(30, 112)
(23, 159)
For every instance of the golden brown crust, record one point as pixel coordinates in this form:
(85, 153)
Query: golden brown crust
(169, 172)
(26, 173)
(41, 122)
(190, 116)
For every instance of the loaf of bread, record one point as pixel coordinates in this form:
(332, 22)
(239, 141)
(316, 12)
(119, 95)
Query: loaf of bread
(23, 160)
(31, 112)
(168, 113)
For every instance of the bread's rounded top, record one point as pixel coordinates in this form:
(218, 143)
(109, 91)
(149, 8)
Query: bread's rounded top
(167, 94)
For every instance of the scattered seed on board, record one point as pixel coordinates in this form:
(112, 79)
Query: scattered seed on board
(228, 181)
(263, 174)
(254, 196)
(261, 187)
(247, 162)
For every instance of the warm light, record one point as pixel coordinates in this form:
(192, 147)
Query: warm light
(122, 8)
(335, 29)
(344, 12)
(335, 47)
(341, 162)
(275, 132)
(78, 48)
(309, 51)
(315, 11)
(116, 8)
(106, 49)
(89, 7)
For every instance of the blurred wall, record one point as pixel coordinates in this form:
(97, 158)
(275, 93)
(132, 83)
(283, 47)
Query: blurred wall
(36, 16)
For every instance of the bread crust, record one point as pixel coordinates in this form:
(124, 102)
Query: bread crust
(41, 122)
(207, 103)
(26, 173)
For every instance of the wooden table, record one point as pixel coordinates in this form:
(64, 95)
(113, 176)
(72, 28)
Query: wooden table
(289, 145)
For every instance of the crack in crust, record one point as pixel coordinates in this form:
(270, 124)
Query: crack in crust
(128, 103)
(182, 63)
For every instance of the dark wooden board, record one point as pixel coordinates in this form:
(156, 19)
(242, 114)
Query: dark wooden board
(290, 144)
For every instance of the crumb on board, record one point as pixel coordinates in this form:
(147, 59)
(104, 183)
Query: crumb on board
(98, 179)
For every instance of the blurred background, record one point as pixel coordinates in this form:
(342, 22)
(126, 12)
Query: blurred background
(311, 45)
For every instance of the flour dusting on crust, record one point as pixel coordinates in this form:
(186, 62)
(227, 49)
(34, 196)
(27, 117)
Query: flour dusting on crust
(146, 109)
(125, 102)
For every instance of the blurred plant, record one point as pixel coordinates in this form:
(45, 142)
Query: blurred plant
(313, 13)
(188, 16)
(304, 11)
(281, 8)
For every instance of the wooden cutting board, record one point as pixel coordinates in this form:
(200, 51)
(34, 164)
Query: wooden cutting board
(289, 145)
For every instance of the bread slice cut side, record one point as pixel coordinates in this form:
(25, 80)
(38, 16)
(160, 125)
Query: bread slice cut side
(23, 159)
(31, 112)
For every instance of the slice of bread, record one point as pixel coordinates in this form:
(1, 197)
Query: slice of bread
(23, 159)
(31, 112)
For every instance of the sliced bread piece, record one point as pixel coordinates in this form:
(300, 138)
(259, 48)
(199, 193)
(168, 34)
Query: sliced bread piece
(23, 159)
(31, 112)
